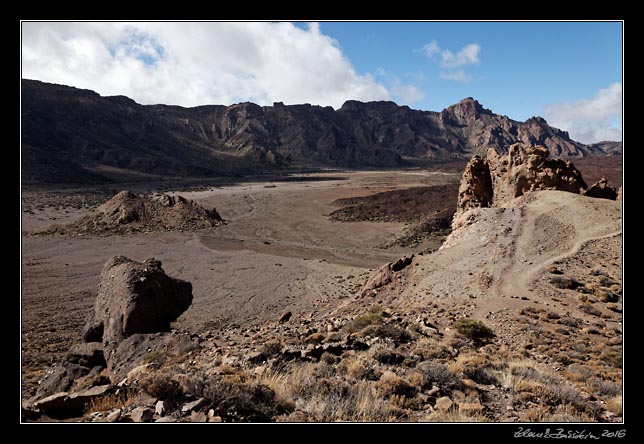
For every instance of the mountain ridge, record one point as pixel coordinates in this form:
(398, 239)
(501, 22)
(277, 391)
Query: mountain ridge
(72, 135)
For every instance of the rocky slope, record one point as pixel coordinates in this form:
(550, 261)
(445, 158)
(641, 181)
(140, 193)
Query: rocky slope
(74, 135)
(517, 318)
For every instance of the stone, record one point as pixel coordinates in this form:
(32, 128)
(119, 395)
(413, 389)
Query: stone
(601, 190)
(476, 185)
(198, 417)
(67, 405)
(384, 275)
(285, 317)
(256, 357)
(166, 419)
(51, 403)
(162, 407)
(135, 297)
(195, 405)
(114, 415)
(142, 414)
(443, 403)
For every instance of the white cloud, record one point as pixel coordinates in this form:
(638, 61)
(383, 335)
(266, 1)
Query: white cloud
(197, 63)
(590, 120)
(448, 60)
(468, 55)
(408, 93)
(402, 93)
(431, 49)
(457, 75)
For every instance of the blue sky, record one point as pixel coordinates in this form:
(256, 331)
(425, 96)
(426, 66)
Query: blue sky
(569, 73)
(523, 67)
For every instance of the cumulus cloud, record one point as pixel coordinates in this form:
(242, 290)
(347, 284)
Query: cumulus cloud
(197, 63)
(457, 75)
(402, 93)
(449, 61)
(592, 119)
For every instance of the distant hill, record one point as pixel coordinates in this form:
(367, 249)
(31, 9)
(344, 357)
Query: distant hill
(610, 148)
(72, 135)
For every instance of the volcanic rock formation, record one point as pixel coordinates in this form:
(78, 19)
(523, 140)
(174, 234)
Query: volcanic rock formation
(129, 212)
(495, 180)
(75, 135)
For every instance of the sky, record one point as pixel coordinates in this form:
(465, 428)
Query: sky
(570, 73)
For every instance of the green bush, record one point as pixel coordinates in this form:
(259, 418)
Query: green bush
(474, 330)
(373, 317)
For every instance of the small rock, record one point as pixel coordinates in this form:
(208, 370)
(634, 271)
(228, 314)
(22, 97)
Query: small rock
(443, 403)
(285, 317)
(114, 415)
(198, 417)
(162, 407)
(142, 414)
(194, 405)
(166, 419)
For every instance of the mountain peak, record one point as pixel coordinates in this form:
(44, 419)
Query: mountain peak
(467, 108)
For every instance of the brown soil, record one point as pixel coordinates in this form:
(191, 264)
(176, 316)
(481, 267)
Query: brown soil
(594, 168)
(409, 205)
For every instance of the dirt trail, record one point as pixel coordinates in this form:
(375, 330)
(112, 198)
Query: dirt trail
(558, 225)
(491, 265)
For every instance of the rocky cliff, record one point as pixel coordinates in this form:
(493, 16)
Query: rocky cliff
(75, 135)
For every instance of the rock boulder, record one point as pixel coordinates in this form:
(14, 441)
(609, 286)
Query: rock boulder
(135, 297)
(602, 190)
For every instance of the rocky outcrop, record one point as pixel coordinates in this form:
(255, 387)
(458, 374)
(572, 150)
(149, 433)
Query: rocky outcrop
(602, 190)
(74, 135)
(476, 185)
(496, 179)
(130, 212)
(136, 297)
(384, 275)
(130, 323)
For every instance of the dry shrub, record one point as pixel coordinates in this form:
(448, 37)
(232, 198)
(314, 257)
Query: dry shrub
(453, 415)
(430, 349)
(477, 367)
(565, 283)
(109, 402)
(438, 374)
(612, 357)
(475, 331)
(395, 385)
(395, 332)
(248, 402)
(161, 385)
(386, 355)
(314, 338)
(358, 367)
(587, 307)
(271, 348)
(614, 405)
(373, 317)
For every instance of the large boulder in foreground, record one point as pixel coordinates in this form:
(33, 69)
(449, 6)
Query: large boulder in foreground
(135, 297)
(495, 180)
